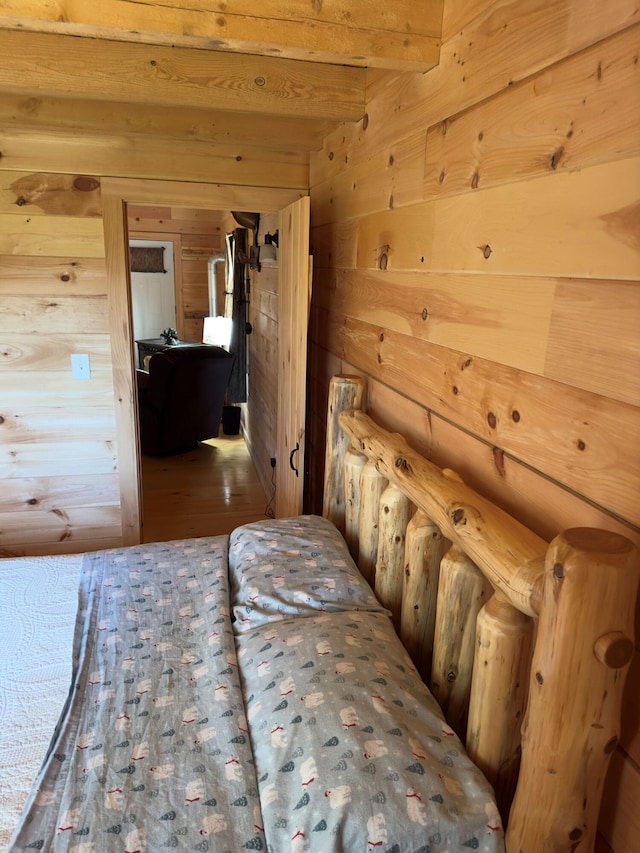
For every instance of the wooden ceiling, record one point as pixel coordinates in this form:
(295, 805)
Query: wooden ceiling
(240, 76)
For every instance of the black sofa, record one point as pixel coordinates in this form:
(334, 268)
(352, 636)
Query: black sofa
(180, 398)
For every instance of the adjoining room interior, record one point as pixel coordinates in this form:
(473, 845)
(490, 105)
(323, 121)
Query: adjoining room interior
(211, 488)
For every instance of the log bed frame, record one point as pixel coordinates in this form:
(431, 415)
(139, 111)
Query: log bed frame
(525, 644)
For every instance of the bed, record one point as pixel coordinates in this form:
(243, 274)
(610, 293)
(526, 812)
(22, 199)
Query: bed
(268, 690)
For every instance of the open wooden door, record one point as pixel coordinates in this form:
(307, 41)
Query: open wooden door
(294, 297)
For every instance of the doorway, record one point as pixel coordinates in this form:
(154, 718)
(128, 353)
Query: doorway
(116, 194)
(153, 288)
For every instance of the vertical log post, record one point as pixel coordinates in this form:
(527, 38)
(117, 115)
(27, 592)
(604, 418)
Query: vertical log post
(345, 392)
(462, 591)
(372, 485)
(393, 518)
(354, 462)
(499, 695)
(422, 555)
(583, 647)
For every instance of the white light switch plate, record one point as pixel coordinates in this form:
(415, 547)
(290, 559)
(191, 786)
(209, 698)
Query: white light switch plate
(80, 366)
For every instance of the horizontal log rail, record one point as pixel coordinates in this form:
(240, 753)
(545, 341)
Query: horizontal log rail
(509, 554)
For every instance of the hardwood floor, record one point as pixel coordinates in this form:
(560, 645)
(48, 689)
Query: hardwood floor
(204, 492)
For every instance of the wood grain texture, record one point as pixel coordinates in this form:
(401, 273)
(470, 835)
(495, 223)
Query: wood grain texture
(540, 502)
(592, 573)
(72, 531)
(502, 44)
(142, 156)
(580, 602)
(520, 74)
(41, 276)
(120, 331)
(217, 127)
(579, 112)
(401, 36)
(594, 338)
(50, 236)
(42, 193)
(394, 513)
(49, 494)
(372, 485)
(55, 314)
(207, 491)
(502, 318)
(216, 196)
(562, 432)
(498, 695)
(390, 178)
(505, 551)
(424, 548)
(177, 76)
(294, 292)
(345, 392)
(462, 592)
(506, 230)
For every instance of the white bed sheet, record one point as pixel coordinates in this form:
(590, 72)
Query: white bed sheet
(38, 604)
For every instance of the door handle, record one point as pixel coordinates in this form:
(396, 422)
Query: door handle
(291, 455)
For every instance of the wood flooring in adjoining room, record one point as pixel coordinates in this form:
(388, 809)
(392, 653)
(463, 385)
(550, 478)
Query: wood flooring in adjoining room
(204, 492)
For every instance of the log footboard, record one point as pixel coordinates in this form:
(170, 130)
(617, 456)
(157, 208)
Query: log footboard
(525, 644)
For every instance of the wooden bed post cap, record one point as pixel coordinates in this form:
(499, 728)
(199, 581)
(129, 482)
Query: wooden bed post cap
(614, 650)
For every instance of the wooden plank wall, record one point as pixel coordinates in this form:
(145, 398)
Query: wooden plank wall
(197, 236)
(476, 256)
(60, 490)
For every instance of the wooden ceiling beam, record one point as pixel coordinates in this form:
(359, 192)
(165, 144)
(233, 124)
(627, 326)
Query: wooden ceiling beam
(64, 66)
(403, 35)
(39, 114)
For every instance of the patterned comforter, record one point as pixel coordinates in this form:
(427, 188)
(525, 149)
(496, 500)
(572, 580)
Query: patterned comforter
(248, 695)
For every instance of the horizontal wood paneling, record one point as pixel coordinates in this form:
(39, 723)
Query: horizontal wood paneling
(516, 487)
(57, 458)
(26, 423)
(507, 230)
(129, 156)
(55, 314)
(50, 194)
(583, 332)
(42, 494)
(59, 531)
(51, 236)
(577, 113)
(569, 435)
(499, 318)
(175, 220)
(499, 46)
(594, 338)
(59, 389)
(218, 127)
(388, 179)
(41, 276)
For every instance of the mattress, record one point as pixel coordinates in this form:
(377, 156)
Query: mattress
(35, 668)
